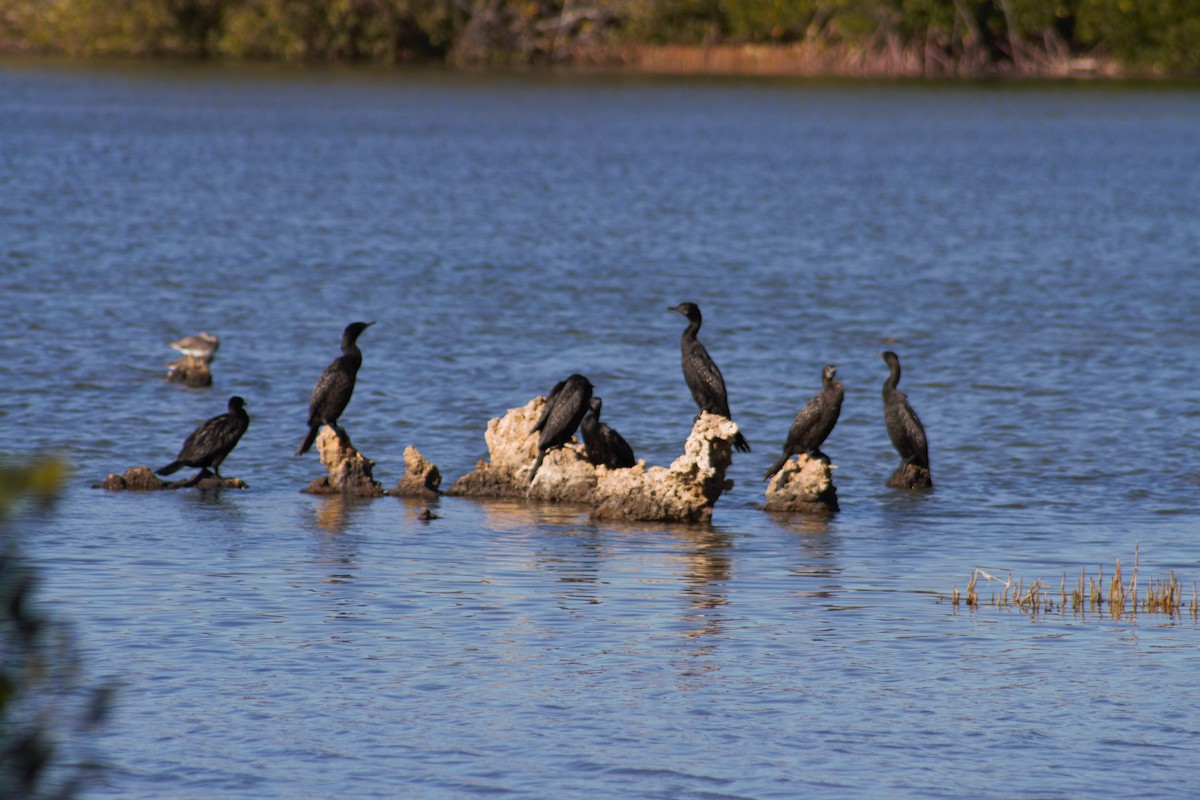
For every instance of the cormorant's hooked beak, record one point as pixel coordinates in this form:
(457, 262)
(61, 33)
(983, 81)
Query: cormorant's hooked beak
(368, 324)
(677, 309)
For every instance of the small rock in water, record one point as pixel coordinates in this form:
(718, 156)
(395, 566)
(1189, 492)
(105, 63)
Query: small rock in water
(910, 476)
(349, 470)
(421, 478)
(803, 484)
(143, 479)
(189, 371)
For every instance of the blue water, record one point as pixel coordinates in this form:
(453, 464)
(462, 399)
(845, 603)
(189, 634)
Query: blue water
(1030, 251)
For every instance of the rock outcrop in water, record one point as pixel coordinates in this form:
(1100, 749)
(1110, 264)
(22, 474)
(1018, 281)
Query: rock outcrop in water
(421, 478)
(143, 479)
(910, 476)
(511, 453)
(803, 484)
(566, 476)
(349, 470)
(190, 372)
(684, 492)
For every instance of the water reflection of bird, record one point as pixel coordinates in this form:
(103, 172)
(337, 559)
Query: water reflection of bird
(202, 346)
(208, 445)
(814, 423)
(604, 445)
(903, 426)
(701, 372)
(334, 388)
(565, 407)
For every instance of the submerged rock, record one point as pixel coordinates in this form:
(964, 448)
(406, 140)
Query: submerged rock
(143, 479)
(349, 470)
(803, 484)
(421, 478)
(910, 476)
(684, 492)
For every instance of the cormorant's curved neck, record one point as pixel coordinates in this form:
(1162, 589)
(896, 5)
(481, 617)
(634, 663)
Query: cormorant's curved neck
(693, 327)
(893, 376)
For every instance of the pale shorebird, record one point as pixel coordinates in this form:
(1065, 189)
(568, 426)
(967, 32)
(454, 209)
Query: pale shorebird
(201, 347)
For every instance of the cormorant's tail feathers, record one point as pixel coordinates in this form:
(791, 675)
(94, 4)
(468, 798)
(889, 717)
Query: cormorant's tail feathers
(741, 444)
(536, 465)
(307, 444)
(778, 465)
(169, 468)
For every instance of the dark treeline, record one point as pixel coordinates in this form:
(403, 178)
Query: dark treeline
(965, 37)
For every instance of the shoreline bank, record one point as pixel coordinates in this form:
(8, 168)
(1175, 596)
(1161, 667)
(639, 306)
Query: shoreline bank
(801, 60)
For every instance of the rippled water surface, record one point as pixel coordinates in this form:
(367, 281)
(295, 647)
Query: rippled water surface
(1030, 251)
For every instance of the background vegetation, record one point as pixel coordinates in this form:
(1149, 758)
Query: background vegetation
(47, 705)
(947, 36)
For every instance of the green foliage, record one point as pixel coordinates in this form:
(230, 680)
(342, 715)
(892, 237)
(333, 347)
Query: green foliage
(676, 21)
(379, 31)
(1162, 34)
(778, 20)
(44, 711)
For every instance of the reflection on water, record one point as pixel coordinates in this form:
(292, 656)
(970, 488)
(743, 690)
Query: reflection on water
(707, 563)
(333, 513)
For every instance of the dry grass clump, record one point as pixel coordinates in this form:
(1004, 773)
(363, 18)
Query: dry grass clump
(1117, 598)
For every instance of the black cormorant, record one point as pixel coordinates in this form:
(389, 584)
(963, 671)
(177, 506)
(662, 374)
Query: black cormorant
(332, 393)
(565, 407)
(701, 373)
(903, 426)
(549, 404)
(814, 423)
(604, 445)
(208, 445)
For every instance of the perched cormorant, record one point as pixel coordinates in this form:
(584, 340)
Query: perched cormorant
(549, 404)
(202, 346)
(903, 426)
(564, 410)
(208, 445)
(604, 445)
(332, 393)
(814, 422)
(701, 373)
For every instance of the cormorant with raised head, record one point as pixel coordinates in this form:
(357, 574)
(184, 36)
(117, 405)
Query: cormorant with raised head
(604, 445)
(701, 373)
(332, 393)
(208, 445)
(564, 410)
(903, 426)
(814, 423)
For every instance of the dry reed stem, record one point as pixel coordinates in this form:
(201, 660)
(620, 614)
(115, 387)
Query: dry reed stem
(1123, 598)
